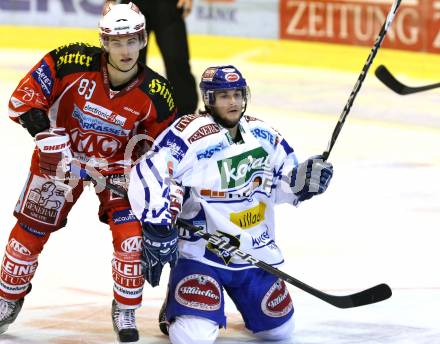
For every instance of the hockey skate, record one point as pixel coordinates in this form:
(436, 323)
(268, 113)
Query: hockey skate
(8, 312)
(124, 324)
(163, 322)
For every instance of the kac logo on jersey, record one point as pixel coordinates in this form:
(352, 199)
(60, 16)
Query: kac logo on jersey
(19, 247)
(43, 76)
(132, 244)
(238, 170)
(101, 146)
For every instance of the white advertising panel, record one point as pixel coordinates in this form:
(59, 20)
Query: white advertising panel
(245, 18)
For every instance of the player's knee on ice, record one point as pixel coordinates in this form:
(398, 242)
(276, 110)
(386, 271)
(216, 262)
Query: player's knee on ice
(283, 332)
(187, 329)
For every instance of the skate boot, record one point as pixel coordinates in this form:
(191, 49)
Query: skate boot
(8, 312)
(124, 324)
(163, 322)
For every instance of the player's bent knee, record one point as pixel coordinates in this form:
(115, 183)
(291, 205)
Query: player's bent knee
(188, 329)
(285, 331)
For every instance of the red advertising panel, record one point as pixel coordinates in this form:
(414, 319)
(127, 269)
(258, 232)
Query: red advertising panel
(358, 22)
(432, 8)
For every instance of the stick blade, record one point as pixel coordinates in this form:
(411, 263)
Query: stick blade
(384, 75)
(369, 296)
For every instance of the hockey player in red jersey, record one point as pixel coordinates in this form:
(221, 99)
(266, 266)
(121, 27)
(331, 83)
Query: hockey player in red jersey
(89, 105)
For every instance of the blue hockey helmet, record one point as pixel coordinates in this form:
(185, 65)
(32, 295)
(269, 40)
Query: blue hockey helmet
(222, 78)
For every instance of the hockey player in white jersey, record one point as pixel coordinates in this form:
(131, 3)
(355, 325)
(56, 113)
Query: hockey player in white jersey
(233, 170)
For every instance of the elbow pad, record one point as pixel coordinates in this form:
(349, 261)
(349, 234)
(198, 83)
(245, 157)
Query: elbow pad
(35, 121)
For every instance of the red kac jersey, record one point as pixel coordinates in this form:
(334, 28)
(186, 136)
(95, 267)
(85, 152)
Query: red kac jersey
(71, 84)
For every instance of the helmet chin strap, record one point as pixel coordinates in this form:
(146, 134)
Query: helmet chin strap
(116, 67)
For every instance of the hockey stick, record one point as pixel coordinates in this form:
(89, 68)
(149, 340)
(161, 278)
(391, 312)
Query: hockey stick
(361, 77)
(372, 295)
(384, 75)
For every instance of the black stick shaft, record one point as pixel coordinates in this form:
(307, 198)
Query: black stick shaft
(372, 295)
(361, 78)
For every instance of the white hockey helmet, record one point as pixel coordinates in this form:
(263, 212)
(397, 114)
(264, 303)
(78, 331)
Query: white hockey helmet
(121, 20)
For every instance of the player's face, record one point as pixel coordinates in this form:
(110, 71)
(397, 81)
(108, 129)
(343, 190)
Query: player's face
(124, 51)
(228, 106)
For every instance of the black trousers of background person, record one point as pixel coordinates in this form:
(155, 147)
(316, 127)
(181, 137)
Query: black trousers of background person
(165, 20)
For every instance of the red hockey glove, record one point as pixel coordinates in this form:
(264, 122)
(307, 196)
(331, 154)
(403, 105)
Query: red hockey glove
(54, 151)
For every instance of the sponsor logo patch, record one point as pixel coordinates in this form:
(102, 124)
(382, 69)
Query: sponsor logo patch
(16, 103)
(133, 244)
(43, 76)
(231, 77)
(69, 57)
(126, 108)
(44, 203)
(238, 170)
(277, 302)
(184, 121)
(199, 292)
(175, 145)
(19, 247)
(123, 216)
(265, 135)
(221, 252)
(157, 87)
(127, 273)
(261, 239)
(17, 272)
(210, 151)
(206, 130)
(104, 113)
(32, 230)
(208, 74)
(92, 123)
(250, 217)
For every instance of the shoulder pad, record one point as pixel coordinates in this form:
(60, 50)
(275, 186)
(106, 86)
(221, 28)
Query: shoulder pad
(161, 93)
(264, 132)
(76, 57)
(203, 131)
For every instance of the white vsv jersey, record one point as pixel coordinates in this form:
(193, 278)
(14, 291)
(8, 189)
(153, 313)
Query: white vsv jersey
(231, 188)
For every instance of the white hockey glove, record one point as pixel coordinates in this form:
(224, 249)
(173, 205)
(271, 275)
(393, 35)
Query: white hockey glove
(54, 151)
(176, 200)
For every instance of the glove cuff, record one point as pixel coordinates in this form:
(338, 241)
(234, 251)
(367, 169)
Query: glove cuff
(161, 231)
